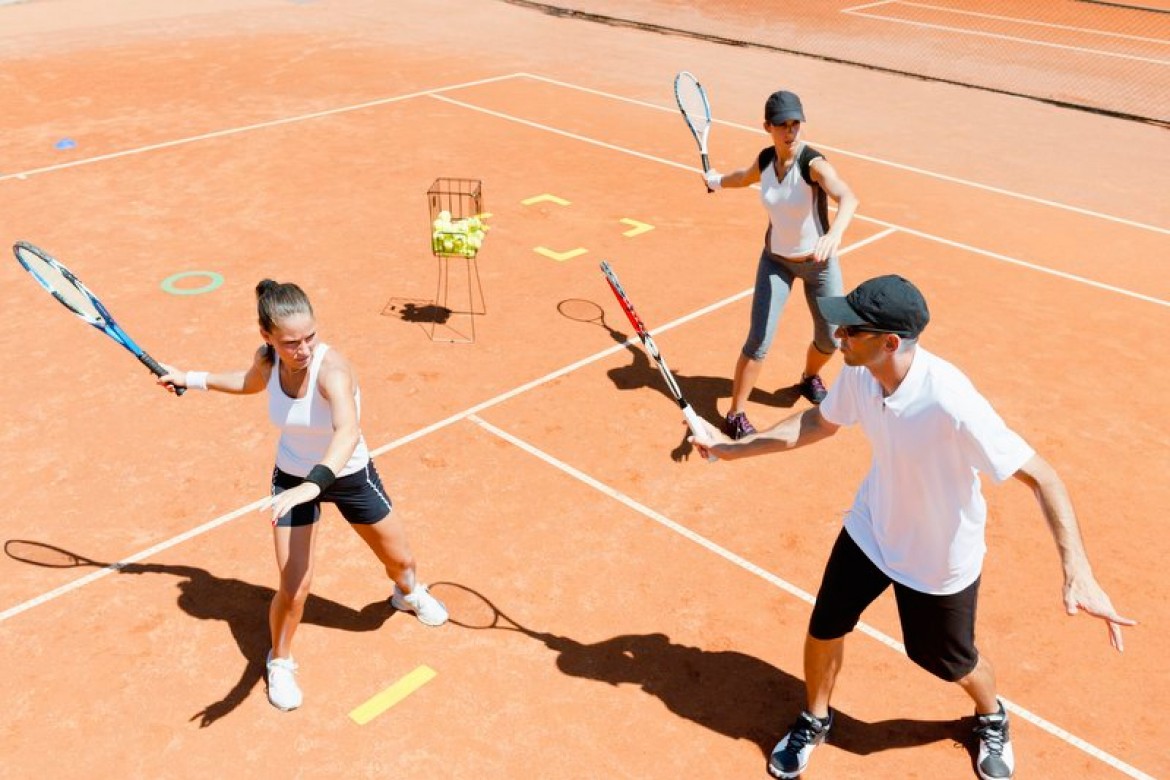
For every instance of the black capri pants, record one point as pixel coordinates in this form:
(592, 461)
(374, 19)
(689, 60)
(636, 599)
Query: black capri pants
(938, 631)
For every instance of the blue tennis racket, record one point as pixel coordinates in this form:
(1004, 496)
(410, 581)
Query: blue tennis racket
(63, 285)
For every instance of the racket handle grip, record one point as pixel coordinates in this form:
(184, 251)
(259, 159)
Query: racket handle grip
(158, 370)
(706, 170)
(696, 426)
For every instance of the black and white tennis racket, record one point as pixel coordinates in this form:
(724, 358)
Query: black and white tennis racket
(693, 420)
(696, 111)
(63, 285)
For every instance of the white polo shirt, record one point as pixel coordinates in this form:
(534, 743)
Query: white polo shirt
(919, 515)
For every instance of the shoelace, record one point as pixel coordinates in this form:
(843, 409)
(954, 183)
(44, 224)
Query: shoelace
(992, 735)
(282, 665)
(801, 735)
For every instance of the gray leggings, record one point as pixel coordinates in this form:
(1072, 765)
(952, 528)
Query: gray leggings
(774, 279)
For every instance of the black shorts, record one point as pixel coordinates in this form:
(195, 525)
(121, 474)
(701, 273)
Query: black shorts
(359, 497)
(938, 631)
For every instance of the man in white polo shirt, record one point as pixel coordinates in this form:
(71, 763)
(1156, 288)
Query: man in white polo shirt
(918, 519)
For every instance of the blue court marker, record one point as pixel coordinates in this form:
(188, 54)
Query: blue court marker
(65, 143)
(214, 280)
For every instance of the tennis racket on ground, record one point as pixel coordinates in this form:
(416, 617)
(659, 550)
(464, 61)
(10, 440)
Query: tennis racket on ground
(696, 111)
(696, 425)
(60, 282)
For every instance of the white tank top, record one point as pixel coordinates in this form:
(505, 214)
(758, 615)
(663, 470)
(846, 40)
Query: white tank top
(306, 424)
(797, 211)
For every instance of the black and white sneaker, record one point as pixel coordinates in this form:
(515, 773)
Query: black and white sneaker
(996, 760)
(790, 756)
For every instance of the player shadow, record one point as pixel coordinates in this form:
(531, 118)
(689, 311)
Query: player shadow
(243, 606)
(703, 392)
(731, 693)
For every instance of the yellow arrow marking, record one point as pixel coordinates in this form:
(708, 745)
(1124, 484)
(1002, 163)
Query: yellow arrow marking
(392, 695)
(636, 228)
(560, 257)
(544, 197)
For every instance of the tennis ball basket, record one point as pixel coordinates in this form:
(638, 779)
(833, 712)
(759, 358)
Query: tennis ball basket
(457, 233)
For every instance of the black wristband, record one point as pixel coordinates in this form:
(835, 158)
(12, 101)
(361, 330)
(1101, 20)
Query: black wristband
(322, 476)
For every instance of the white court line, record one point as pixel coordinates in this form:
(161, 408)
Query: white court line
(113, 568)
(399, 442)
(621, 98)
(1014, 19)
(948, 242)
(248, 128)
(788, 587)
(868, 158)
(1003, 37)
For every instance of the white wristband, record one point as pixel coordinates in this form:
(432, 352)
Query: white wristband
(714, 180)
(196, 380)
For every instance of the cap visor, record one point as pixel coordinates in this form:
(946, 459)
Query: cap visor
(783, 116)
(839, 312)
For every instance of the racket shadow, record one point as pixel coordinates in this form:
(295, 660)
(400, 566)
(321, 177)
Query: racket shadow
(242, 605)
(730, 693)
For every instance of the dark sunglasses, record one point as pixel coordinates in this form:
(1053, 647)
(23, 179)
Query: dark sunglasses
(853, 330)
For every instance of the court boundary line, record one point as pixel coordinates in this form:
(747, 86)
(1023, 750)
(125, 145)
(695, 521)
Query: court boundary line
(436, 91)
(858, 12)
(500, 398)
(1034, 23)
(288, 120)
(471, 414)
(1042, 723)
(861, 217)
(661, 29)
(871, 159)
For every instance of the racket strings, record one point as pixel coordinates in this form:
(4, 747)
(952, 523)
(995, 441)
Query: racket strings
(692, 101)
(63, 287)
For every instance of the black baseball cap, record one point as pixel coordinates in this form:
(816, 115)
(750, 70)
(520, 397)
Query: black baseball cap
(889, 304)
(781, 107)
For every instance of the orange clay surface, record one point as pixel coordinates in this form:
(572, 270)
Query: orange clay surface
(543, 465)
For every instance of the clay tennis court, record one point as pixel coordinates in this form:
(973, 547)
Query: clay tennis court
(175, 153)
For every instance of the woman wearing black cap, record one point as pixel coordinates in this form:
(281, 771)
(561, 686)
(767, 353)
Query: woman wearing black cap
(795, 181)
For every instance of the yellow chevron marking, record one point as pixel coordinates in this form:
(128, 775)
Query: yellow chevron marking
(636, 228)
(560, 257)
(544, 197)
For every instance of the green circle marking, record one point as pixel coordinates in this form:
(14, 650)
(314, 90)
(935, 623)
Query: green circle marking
(214, 280)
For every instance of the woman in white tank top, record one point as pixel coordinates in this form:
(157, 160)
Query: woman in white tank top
(322, 457)
(795, 181)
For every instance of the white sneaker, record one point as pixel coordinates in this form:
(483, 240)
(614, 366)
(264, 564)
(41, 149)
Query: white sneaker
(428, 609)
(283, 691)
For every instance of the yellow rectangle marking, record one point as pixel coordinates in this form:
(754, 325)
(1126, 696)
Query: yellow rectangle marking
(392, 695)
